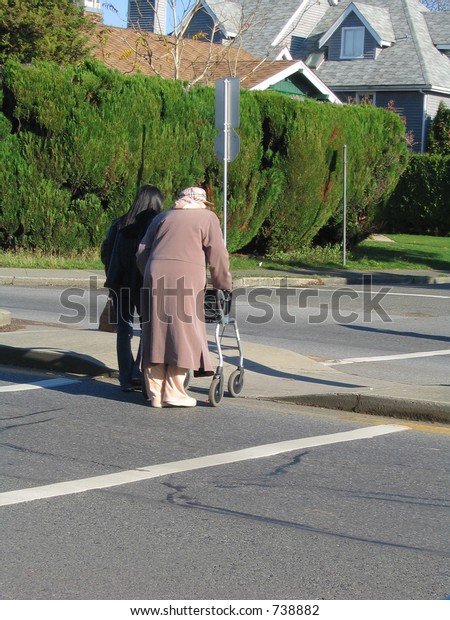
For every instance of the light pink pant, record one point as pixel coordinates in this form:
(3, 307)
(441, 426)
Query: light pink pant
(165, 383)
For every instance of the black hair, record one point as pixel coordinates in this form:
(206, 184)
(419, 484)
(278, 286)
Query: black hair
(147, 203)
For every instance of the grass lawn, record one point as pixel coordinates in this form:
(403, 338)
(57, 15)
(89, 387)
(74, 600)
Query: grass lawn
(406, 252)
(403, 252)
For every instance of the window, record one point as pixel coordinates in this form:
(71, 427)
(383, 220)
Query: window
(367, 98)
(352, 43)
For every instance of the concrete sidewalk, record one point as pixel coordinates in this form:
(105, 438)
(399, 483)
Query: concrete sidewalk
(270, 373)
(261, 277)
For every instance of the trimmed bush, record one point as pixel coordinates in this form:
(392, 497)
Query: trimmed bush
(77, 141)
(420, 203)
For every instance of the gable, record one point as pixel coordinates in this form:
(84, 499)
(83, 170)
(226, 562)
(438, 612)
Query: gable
(376, 20)
(351, 26)
(226, 15)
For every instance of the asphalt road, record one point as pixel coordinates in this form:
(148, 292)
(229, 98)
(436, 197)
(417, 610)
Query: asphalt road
(357, 509)
(361, 329)
(364, 330)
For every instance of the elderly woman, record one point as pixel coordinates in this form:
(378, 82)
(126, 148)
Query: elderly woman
(172, 257)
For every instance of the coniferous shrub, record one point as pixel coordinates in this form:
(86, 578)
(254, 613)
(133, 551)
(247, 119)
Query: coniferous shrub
(310, 150)
(420, 202)
(439, 134)
(76, 142)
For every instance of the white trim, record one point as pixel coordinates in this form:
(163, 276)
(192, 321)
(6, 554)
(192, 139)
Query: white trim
(353, 29)
(424, 120)
(213, 16)
(285, 54)
(307, 72)
(353, 9)
(280, 36)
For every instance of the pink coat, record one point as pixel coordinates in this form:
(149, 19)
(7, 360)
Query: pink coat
(173, 256)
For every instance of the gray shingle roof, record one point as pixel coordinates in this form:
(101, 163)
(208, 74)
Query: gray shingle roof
(228, 14)
(439, 27)
(267, 19)
(412, 60)
(379, 18)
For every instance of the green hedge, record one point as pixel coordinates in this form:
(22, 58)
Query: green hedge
(77, 141)
(420, 203)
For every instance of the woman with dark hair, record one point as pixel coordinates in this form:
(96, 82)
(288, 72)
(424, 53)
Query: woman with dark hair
(124, 279)
(173, 256)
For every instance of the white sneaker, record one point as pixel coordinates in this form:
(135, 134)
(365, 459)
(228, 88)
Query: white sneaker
(183, 402)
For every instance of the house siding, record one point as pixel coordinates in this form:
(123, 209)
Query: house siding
(432, 106)
(147, 16)
(202, 22)
(140, 15)
(410, 106)
(334, 42)
(433, 102)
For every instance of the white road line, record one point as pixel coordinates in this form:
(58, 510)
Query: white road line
(386, 358)
(417, 295)
(71, 487)
(375, 291)
(37, 385)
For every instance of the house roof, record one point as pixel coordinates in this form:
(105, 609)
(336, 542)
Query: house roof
(405, 30)
(228, 15)
(130, 51)
(412, 61)
(439, 27)
(265, 17)
(376, 19)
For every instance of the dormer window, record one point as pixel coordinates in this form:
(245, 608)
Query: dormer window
(352, 43)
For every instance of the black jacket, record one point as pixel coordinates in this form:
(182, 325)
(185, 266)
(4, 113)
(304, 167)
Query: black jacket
(118, 254)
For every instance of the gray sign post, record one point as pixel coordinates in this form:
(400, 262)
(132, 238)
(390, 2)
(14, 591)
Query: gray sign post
(226, 143)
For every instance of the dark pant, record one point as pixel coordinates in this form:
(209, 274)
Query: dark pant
(129, 367)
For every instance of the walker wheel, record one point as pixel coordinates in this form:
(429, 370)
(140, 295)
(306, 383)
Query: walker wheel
(236, 382)
(216, 391)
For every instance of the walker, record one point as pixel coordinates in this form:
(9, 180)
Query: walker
(217, 306)
(217, 310)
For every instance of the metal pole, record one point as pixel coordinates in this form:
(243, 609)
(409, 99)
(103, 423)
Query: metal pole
(344, 223)
(225, 162)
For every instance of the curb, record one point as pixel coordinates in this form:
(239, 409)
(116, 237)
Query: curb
(92, 281)
(5, 318)
(60, 361)
(317, 280)
(97, 282)
(371, 404)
